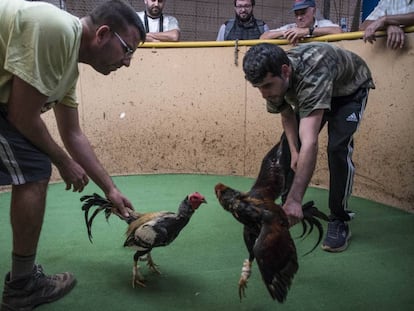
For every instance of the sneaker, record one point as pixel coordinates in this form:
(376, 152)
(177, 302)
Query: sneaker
(351, 214)
(39, 289)
(337, 237)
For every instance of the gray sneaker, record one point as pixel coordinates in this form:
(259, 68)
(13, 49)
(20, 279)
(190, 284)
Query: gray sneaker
(337, 236)
(39, 289)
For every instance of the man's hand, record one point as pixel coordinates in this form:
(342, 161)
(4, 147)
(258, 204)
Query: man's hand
(395, 37)
(120, 202)
(295, 34)
(150, 37)
(369, 34)
(293, 211)
(73, 175)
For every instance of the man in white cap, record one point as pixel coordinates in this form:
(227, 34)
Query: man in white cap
(307, 25)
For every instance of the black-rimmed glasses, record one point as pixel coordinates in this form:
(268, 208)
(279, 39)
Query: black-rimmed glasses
(127, 49)
(241, 7)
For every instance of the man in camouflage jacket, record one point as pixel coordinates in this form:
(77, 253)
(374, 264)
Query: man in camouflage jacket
(310, 85)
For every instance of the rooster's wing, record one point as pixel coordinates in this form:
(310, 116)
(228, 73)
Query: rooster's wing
(148, 231)
(275, 252)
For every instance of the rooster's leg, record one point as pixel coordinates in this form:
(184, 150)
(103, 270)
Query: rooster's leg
(143, 258)
(244, 277)
(137, 277)
(151, 264)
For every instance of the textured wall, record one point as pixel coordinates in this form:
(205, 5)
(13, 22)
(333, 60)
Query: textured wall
(190, 110)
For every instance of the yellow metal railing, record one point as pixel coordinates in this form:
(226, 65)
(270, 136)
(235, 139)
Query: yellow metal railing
(328, 38)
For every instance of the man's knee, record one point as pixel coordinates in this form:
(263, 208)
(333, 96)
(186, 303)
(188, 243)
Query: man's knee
(35, 190)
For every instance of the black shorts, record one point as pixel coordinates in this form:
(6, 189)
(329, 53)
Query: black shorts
(20, 161)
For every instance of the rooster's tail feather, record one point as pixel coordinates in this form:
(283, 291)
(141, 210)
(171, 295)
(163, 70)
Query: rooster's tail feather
(310, 217)
(95, 200)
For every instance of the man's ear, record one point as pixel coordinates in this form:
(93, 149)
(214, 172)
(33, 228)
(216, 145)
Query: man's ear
(103, 33)
(286, 71)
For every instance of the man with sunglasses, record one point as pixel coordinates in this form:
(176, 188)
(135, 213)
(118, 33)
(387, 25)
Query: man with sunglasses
(40, 48)
(307, 25)
(244, 26)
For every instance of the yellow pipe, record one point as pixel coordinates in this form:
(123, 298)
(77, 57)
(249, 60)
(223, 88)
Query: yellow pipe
(328, 38)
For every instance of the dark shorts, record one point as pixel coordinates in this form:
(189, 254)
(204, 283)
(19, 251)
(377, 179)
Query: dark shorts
(20, 161)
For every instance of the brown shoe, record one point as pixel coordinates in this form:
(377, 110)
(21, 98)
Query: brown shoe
(39, 289)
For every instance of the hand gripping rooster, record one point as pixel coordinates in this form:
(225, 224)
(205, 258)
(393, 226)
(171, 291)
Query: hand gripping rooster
(266, 226)
(147, 230)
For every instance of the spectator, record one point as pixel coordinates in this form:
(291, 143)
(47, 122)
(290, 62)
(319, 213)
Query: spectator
(389, 15)
(159, 26)
(40, 48)
(244, 26)
(307, 25)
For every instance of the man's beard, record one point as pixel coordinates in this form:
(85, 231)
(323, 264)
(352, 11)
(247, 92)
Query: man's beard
(154, 12)
(246, 18)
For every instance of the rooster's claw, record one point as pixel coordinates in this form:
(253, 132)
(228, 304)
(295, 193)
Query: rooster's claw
(242, 288)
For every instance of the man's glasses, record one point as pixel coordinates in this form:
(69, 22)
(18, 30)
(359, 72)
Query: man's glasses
(247, 7)
(127, 50)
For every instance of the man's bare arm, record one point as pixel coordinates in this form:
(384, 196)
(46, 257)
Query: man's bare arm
(165, 36)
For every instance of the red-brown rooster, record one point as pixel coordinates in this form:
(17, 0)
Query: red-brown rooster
(266, 226)
(147, 230)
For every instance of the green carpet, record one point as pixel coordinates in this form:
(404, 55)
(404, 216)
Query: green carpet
(200, 270)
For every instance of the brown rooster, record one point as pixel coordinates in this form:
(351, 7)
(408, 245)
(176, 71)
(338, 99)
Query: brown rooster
(266, 226)
(145, 231)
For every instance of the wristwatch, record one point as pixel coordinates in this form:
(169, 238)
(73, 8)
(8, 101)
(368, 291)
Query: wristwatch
(311, 29)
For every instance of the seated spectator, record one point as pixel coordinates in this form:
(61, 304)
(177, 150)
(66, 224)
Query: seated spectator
(389, 15)
(307, 25)
(159, 26)
(244, 26)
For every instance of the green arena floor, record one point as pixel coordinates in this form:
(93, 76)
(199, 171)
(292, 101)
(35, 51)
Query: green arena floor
(200, 270)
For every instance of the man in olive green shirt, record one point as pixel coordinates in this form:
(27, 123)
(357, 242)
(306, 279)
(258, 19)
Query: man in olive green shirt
(40, 48)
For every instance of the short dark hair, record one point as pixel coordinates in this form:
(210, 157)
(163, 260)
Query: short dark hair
(118, 15)
(252, 1)
(261, 59)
